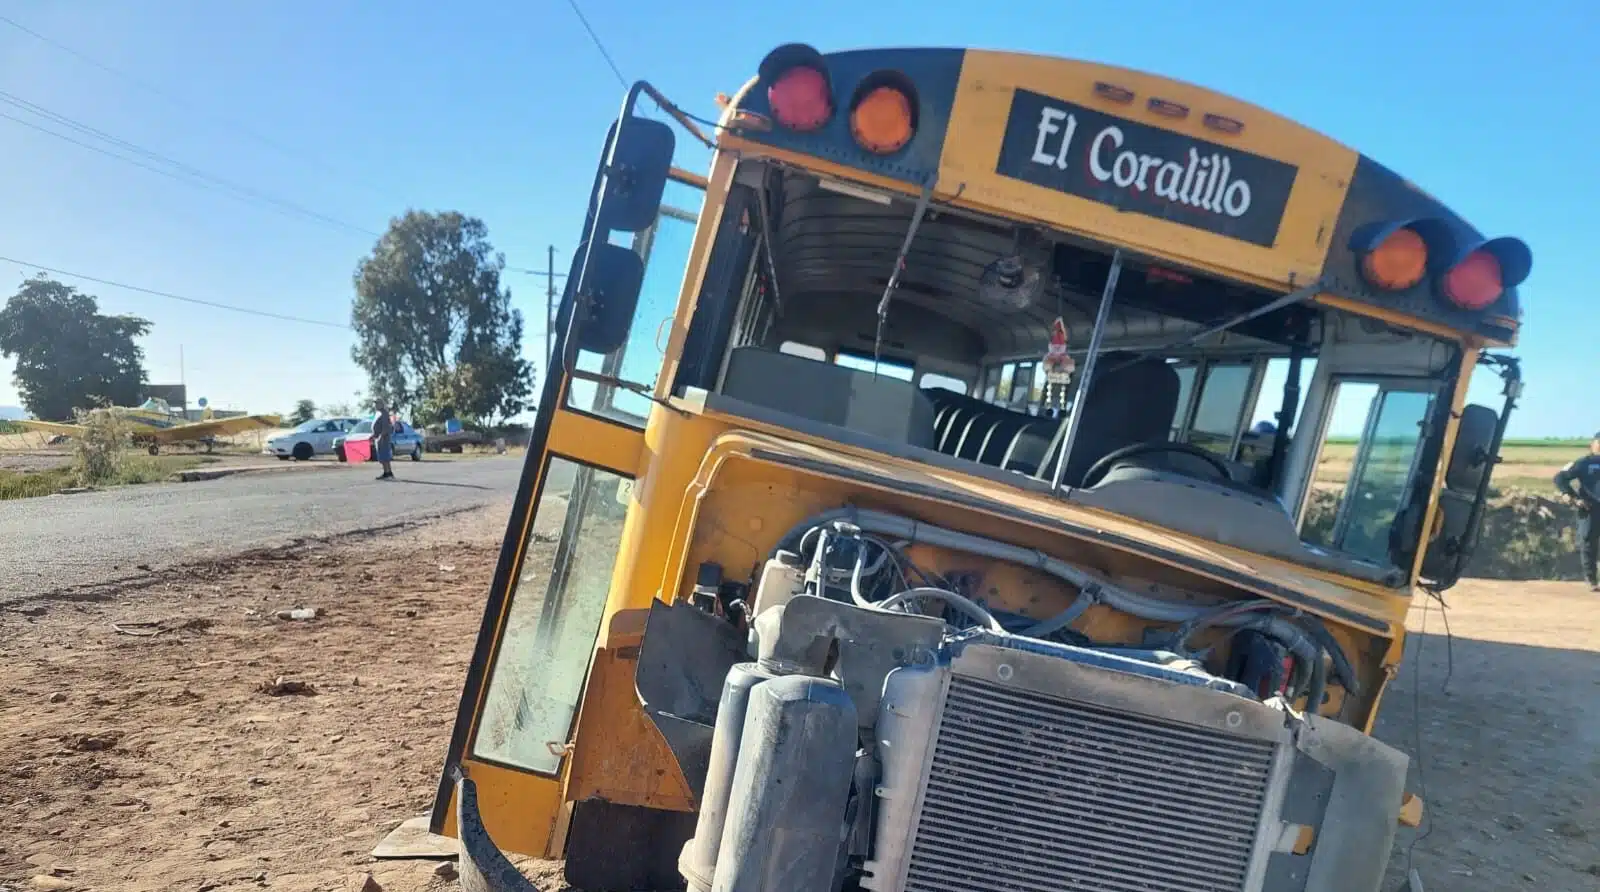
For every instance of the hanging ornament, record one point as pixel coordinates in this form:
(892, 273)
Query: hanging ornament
(1058, 366)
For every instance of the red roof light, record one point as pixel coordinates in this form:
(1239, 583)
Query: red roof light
(800, 99)
(1475, 282)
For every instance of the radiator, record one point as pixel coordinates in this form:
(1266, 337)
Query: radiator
(1032, 793)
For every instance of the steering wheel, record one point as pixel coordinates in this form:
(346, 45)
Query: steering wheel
(1100, 468)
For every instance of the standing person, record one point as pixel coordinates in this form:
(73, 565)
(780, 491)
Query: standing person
(383, 441)
(1586, 473)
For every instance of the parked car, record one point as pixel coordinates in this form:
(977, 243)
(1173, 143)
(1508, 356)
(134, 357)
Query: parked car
(454, 438)
(408, 441)
(314, 437)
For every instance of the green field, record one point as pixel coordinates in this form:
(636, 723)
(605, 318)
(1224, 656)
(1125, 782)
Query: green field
(1525, 463)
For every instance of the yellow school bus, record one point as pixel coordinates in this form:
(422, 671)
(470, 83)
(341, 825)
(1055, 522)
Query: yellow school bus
(998, 472)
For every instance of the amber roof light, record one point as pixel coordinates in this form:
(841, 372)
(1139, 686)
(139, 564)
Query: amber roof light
(883, 119)
(1398, 262)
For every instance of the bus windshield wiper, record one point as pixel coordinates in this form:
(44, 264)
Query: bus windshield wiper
(894, 276)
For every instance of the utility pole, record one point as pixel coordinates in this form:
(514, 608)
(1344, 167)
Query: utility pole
(549, 307)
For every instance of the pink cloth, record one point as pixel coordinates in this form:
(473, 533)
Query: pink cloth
(357, 450)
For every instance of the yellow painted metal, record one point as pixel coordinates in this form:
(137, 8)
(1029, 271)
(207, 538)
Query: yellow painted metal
(597, 442)
(978, 122)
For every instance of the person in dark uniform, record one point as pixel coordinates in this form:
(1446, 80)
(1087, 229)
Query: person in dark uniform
(1585, 472)
(383, 441)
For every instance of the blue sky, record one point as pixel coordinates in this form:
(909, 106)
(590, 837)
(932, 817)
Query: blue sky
(360, 110)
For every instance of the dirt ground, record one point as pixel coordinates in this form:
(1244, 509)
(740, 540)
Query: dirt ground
(155, 762)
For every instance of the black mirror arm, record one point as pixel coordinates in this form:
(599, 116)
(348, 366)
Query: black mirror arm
(1509, 368)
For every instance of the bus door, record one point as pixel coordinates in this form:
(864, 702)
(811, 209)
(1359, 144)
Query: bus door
(524, 685)
(1374, 431)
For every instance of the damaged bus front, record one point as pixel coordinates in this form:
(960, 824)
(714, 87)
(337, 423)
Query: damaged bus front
(934, 496)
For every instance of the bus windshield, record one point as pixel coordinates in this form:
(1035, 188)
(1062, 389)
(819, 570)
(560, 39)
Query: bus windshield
(1199, 388)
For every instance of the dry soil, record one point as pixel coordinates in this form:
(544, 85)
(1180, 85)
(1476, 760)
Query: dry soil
(140, 748)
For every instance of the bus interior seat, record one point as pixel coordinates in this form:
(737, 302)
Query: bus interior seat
(875, 405)
(970, 428)
(1131, 400)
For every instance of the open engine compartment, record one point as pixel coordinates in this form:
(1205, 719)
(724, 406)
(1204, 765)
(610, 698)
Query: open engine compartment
(853, 720)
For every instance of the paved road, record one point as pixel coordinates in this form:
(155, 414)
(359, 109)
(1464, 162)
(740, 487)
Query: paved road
(48, 544)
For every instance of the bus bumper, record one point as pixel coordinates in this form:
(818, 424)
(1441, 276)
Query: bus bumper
(482, 867)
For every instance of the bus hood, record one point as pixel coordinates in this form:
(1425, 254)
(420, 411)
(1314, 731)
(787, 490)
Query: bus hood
(1340, 600)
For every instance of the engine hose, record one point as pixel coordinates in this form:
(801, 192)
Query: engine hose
(965, 605)
(1318, 685)
(1180, 638)
(1342, 669)
(1091, 586)
(1065, 618)
(1321, 640)
(961, 603)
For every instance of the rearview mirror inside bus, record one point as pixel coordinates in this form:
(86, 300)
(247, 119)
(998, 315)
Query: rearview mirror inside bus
(612, 286)
(637, 176)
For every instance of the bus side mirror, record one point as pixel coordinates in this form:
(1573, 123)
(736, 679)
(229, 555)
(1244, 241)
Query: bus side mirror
(1460, 516)
(640, 159)
(1472, 457)
(611, 294)
(1450, 539)
(638, 164)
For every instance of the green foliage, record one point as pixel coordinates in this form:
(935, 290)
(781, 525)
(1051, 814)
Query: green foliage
(11, 427)
(435, 330)
(69, 356)
(31, 484)
(130, 469)
(304, 411)
(97, 451)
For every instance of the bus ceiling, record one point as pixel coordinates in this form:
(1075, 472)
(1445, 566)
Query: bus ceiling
(836, 253)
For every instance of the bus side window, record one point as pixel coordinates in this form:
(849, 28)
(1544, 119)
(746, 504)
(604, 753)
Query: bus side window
(1368, 458)
(1256, 444)
(1216, 416)
(805, 351)
(991, 383)
(1022, 387)
(665, 249)
(1180, 418)
(1002, 394)
(862, 363)
(943, 382)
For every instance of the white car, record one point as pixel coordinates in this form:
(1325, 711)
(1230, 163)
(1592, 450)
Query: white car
(408, 441)
(314, 437)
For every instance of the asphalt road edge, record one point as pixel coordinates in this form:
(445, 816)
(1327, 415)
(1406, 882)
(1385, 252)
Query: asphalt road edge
(105, 590)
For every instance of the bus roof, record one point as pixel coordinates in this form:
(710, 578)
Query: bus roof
(1162, 167)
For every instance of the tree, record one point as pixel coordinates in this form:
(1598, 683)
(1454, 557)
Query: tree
(69, 356)
(304, 411)
(435, 330)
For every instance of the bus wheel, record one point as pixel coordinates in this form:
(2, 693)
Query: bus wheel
(154, 449)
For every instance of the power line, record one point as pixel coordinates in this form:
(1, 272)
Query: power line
(178, 297)
(194, 174)
(152, 88)
(598, 44)
(184, 173)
